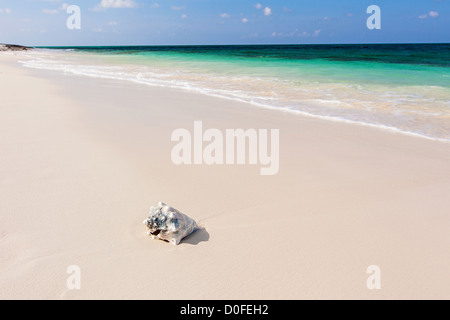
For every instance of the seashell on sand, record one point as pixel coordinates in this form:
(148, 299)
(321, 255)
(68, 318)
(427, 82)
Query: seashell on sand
(169, 224)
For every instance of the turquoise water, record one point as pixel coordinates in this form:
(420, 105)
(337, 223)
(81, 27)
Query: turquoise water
(405, 88)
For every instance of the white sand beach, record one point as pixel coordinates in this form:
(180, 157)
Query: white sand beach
(82, 160)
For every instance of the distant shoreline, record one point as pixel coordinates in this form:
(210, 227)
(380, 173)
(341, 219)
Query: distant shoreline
(13, 47)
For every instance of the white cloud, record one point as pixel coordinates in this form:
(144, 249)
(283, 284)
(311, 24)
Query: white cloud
(431, 14)
(155, 5)
(112, 23)
(224, 15)
(6, 10)
(258, 6)
(50, 11)
(63, 7)
(434, 14)
(244, 20)
(177, 8)
(117, 4)
(295, 33)
(184, 16)
(267, 11)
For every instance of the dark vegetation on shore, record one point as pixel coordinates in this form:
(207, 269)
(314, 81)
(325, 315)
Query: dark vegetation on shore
(13, 47)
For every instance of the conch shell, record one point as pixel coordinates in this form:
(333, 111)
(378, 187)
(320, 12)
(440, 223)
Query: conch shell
(169, 224)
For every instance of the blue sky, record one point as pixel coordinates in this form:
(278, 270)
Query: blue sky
(155, 22)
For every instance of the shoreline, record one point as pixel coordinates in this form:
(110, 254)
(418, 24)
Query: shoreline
(346, 197)
(361, 107)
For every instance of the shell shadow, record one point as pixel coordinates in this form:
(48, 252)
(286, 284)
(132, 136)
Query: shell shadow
(198, 236)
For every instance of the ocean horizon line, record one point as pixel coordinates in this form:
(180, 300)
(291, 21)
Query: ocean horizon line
(236, 45)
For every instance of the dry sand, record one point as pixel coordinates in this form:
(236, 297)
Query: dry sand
(82, 160)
